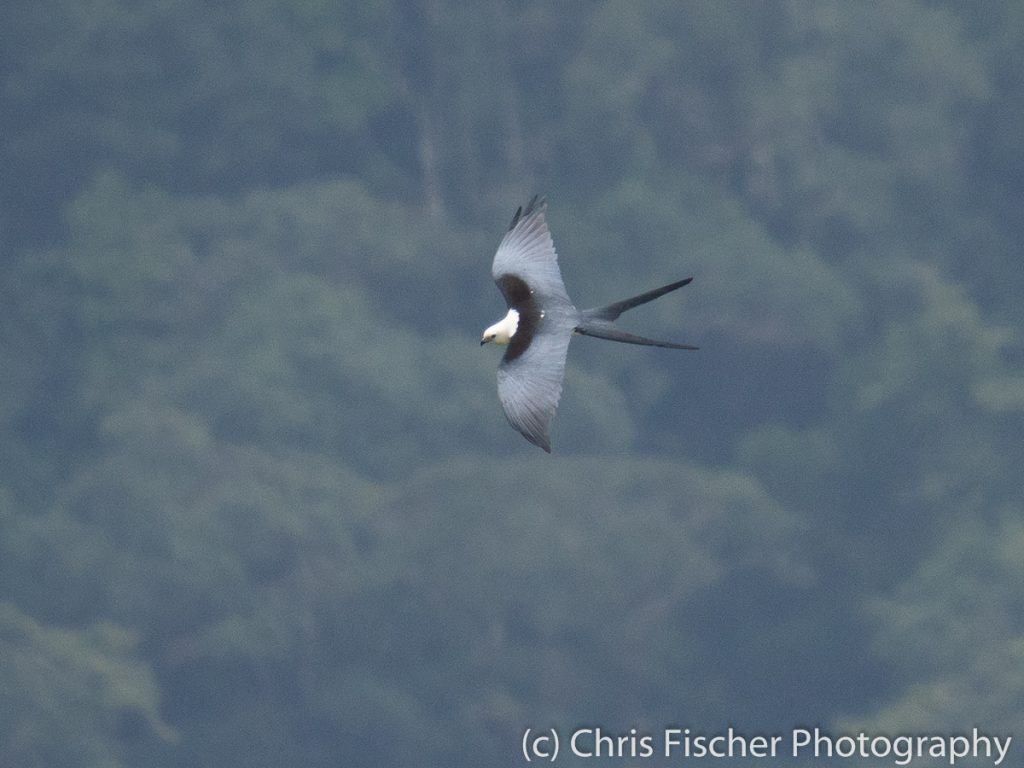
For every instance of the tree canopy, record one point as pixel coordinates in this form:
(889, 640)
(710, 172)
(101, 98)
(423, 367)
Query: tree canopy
(258, 502)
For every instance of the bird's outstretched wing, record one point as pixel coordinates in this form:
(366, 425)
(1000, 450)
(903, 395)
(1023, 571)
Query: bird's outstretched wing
(530, 383)
(528, 253)
(530, 374)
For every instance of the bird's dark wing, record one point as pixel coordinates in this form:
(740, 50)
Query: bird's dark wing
(528, 253)
(530, 382)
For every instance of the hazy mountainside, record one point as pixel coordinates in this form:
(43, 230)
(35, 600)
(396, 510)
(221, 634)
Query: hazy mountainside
(258, 501)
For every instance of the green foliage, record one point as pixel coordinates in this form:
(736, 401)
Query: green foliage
(529, 572)
(954, 627)
(258, 503)
(75, 698)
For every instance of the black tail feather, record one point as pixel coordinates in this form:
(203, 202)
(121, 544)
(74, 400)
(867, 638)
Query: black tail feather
(612, 311)
(614, 334)
(597, 322)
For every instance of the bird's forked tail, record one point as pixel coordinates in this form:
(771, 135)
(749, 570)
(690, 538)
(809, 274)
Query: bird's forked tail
(599, 321)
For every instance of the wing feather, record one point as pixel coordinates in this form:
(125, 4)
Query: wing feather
(530, 385)
(528, 252)
(531, 372)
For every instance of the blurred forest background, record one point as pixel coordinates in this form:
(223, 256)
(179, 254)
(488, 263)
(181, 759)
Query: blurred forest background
(259, 505)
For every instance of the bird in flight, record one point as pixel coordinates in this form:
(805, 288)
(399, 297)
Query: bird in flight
(541, 321)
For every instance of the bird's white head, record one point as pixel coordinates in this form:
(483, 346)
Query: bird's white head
(503, 330)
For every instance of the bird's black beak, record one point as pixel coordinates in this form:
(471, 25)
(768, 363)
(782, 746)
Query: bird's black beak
(482, 342)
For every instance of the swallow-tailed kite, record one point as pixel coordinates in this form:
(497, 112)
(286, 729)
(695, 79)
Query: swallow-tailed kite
(540, 322)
